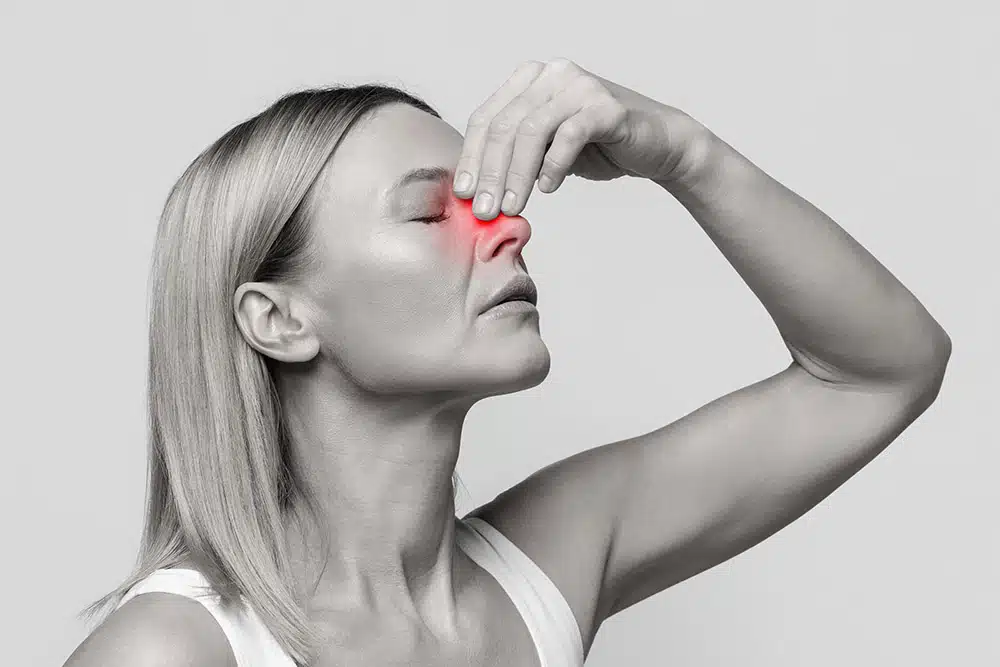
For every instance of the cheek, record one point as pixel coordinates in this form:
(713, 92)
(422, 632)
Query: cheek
(396, 283)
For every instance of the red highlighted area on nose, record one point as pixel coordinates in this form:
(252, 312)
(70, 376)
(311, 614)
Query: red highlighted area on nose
(486, 236)
(465, 206)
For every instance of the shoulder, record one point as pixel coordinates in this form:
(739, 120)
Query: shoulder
(562, 518)
(156, 629)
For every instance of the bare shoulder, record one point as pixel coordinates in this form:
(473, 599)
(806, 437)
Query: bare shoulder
(566, 532)
(156, 630)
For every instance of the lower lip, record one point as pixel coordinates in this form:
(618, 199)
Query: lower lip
(510, 308)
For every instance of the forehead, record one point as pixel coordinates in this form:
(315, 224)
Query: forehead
(394, 140)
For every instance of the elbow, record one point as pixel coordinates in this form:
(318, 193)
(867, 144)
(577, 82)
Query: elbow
(938, 355)
(924, 383)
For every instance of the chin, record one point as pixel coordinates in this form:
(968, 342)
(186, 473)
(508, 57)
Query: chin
(503, 365)
(513, 369)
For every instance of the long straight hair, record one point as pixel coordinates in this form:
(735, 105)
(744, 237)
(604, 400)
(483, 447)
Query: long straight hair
(221, 488)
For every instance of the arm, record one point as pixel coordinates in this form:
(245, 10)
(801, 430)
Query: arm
(843, 316)
(617, 523)
(867, 360)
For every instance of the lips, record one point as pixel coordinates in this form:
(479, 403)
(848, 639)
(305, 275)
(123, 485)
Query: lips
(520, 288)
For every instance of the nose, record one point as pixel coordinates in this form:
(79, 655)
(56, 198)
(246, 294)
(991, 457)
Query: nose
(504, 234)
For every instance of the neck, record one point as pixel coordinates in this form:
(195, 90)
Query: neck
(380, 471)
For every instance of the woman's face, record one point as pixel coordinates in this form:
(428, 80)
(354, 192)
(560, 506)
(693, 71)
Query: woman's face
(398, 302)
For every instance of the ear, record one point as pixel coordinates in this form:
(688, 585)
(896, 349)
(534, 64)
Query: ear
(273, 324)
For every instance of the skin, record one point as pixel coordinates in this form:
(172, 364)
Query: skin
(385, 353)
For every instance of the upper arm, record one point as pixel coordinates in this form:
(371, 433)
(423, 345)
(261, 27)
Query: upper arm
(156, 630)
(732, 473)
(617, 523)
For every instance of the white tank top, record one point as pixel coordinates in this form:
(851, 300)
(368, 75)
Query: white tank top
(542, 606)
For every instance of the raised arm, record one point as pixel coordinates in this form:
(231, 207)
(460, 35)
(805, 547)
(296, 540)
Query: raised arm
(844, 317)
(620, 522)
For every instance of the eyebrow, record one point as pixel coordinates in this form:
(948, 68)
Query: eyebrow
(421, 174)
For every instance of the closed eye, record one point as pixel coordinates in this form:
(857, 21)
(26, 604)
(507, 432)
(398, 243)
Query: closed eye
(432, 218)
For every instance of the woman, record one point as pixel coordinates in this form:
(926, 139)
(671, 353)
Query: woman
(325, 313)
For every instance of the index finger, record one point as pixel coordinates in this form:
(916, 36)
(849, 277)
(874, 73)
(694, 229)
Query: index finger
(467, 169)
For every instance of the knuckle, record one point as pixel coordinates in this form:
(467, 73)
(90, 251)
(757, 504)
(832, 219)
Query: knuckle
(517, 176)
(593, 85)
(561, 64)
(617, 112)
(478, 118)
(532, 127)
(488, 179)
(501, 127)
(572, 131)
(550, 165)
(589, 87)
(467, 162)
(530, 66)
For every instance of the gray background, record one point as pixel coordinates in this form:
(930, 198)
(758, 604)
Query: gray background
(882, 114)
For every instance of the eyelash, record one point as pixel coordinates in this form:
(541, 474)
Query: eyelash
(430, 219)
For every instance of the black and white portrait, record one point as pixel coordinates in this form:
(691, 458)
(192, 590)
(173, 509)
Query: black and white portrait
(500, 335)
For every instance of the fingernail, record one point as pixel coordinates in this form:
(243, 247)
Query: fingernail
(463, 181)
(483, 203)
(509, 199)
(545, 183)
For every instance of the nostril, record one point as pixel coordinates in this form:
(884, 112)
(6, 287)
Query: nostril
(503, 244)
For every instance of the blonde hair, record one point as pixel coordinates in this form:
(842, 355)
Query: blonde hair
(220, 486)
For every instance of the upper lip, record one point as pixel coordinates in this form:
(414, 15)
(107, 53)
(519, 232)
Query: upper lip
(520, 287)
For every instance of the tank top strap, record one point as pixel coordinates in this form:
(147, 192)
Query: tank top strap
(252, 643)
(546, 612)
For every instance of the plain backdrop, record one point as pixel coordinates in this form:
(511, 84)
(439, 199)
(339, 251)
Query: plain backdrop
(883, 114)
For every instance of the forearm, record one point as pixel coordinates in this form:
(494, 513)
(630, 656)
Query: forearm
(842, 314)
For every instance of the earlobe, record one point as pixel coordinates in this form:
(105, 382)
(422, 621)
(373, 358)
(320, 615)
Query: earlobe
(271, 323)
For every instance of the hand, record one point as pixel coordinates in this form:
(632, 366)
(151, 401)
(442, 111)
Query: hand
(553, 119)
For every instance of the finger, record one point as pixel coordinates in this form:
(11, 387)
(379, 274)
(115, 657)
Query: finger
(479, 122)
(591, 123)
(501, 137)
(534, 137)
